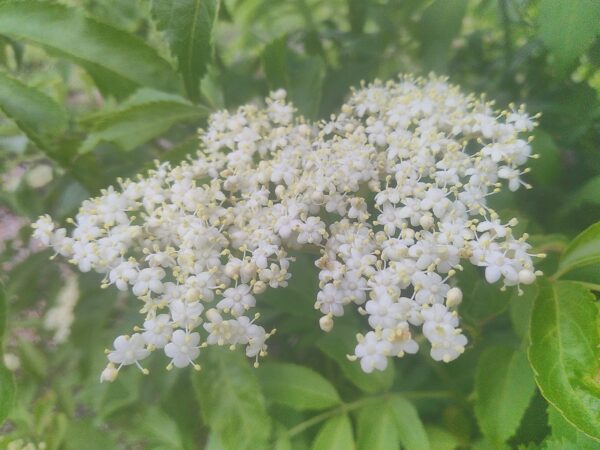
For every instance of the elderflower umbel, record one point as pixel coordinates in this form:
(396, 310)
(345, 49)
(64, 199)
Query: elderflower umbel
(392, 191)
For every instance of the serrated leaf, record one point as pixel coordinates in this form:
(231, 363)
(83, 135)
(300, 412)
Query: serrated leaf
(583, 250)
(440, 23)
(563, 430)
(231, 401)
(335, 434)
(339, 343)
(377, 428)
(188, 26)
(568, 28)
(86, 41)
(410, 427)
(143, 117)
(504, 387)
(564, 352)
(36, 114)
(296, 386)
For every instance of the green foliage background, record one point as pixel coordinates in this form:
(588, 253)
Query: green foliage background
(92, 90)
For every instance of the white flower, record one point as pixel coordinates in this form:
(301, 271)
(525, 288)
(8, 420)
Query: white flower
(205, 239)
(149, 279)
(158, 331)
(373, 352)
(186, 315)
(183, 348)
(128, 350)
(311, 231)
(124, 274)
(430, 288)
(330, 300)
(237, 300)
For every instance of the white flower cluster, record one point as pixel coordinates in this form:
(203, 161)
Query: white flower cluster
(61, 316)
(392, 190)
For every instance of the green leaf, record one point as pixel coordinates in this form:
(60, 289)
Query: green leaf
(36, 114)
(335, 434)
(7, 392)
(87, 42)
(546, 169)
(84, 434)
(585, 195)
(339, 343)
(441, 439)
(377, 429)
(302, 76)
(188, 26)
(568, 28)
(3, 315)
(504, 387)
(583, 250)
(410, 428)
(147, 115)
(33, 360)
(564, 352)
(520, 309)
(357, 14)
(485, 302)
(157, 427)
(282, 439)
(231, 401)
(563, 430)
(296, 386)
(440, 23)
(7, 381)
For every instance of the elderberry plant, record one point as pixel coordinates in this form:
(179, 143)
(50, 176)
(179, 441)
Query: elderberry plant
(392, 191)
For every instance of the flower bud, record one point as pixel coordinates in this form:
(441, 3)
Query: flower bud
(326, 323)
(109, 373)
(259, 287)
(454, 297)
(526, 276)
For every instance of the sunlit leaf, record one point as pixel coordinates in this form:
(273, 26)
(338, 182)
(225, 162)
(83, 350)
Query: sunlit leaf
(36, 114)
(296, 386)
(188, 26)
(564, 352)
(82, 39)
(141, 119)
(563, 430)
(583, 250)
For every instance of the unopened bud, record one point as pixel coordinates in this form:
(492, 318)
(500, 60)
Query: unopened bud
(526, 276)
(326, 323)
(454, 297)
